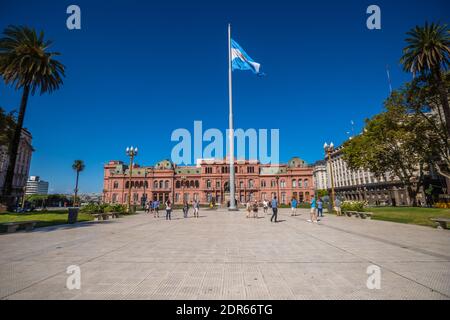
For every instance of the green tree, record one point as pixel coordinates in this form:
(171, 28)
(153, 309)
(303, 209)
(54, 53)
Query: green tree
(395, 143)
(78, 166)
(427, 53)
(26, 63)
(423, 99)
(7, 125)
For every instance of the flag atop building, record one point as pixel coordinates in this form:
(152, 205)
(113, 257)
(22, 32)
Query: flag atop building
(241, 60)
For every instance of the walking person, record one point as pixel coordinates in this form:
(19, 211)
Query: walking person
(185, 208)
(293, 207)
(248, 206)
(168, 210)
(274, 205)
(255, 209)
(196, 208)
(313, 210)
(265, 205)
(156, 208)
(320, 208)
(337, 207)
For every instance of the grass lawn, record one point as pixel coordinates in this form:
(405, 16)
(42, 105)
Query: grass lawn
(419, 216)
(45, 218)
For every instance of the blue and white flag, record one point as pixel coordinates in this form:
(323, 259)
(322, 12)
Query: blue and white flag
(241, 60)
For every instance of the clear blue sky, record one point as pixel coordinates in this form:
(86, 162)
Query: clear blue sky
(137, 70)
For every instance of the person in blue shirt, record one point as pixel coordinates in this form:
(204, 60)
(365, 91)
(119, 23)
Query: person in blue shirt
(293, 207)
(313, 210)
(320, 208)
(274, 209)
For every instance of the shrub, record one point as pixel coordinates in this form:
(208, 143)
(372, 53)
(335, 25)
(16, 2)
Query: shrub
(357, 206)
(442, 205)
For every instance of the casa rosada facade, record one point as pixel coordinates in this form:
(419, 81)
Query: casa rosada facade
(208, 182)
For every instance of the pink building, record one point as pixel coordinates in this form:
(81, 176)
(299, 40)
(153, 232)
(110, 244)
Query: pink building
(208, 181)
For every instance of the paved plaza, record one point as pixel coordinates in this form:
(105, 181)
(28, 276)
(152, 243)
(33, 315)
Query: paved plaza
(223, 255)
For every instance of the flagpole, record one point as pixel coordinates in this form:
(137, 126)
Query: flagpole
(231, 130)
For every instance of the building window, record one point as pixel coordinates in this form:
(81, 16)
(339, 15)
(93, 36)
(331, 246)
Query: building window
(116, 185)
(177, 197)
(306, 183)
(250, 183)
(208, 170)
(197, 184)
(263, 183)
(218, 184)
(300, 183)
(208, 184)
(294, 183)
(166, 184)
(250, 169)
(127, 184)
(283, 198)
(155, 184)
(161, 184)
(114, 198)
(241, 184)
(177, 184)
(283, 184)
(273, 183)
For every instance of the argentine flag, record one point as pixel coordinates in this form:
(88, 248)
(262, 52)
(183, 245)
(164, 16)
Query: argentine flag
(241, 60)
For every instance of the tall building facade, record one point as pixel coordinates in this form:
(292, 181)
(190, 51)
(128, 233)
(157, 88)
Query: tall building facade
(22, 169)
(208, 181)
(320, 174)
(36, 186)
(363, 185)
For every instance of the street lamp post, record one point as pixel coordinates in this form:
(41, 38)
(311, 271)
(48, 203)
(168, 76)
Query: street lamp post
(278, 188)
(183, 182)
(131, 152)
(328, 150)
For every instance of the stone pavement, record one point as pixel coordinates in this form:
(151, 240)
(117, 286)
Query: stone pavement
(223, 255)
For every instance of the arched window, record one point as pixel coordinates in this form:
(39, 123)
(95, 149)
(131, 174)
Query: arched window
(161, 184)
(306, 183)
(116, 185)
(155, 184)
(300, 184)
(208, 184)
(282, 184)
(273, 183)
(166, 184)
(177, 184)
(197, 184)
(294, 183)
(132, 184)
(127, 184)
(146, 184)
(263, 183)
(241, 184)
(192, 184)
(250, 183)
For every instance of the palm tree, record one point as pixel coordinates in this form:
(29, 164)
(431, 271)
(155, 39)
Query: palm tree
(428, 53)
(78, 166)
(26, 63)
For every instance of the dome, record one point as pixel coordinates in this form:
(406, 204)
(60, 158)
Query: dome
(296, 162)
(164, 165)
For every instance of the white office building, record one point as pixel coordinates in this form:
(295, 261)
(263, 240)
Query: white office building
(36, 186)
(320, 175)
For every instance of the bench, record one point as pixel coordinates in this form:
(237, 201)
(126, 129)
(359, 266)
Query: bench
(13, 226)
(364, 215)
(441, 222)
(105, 216)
